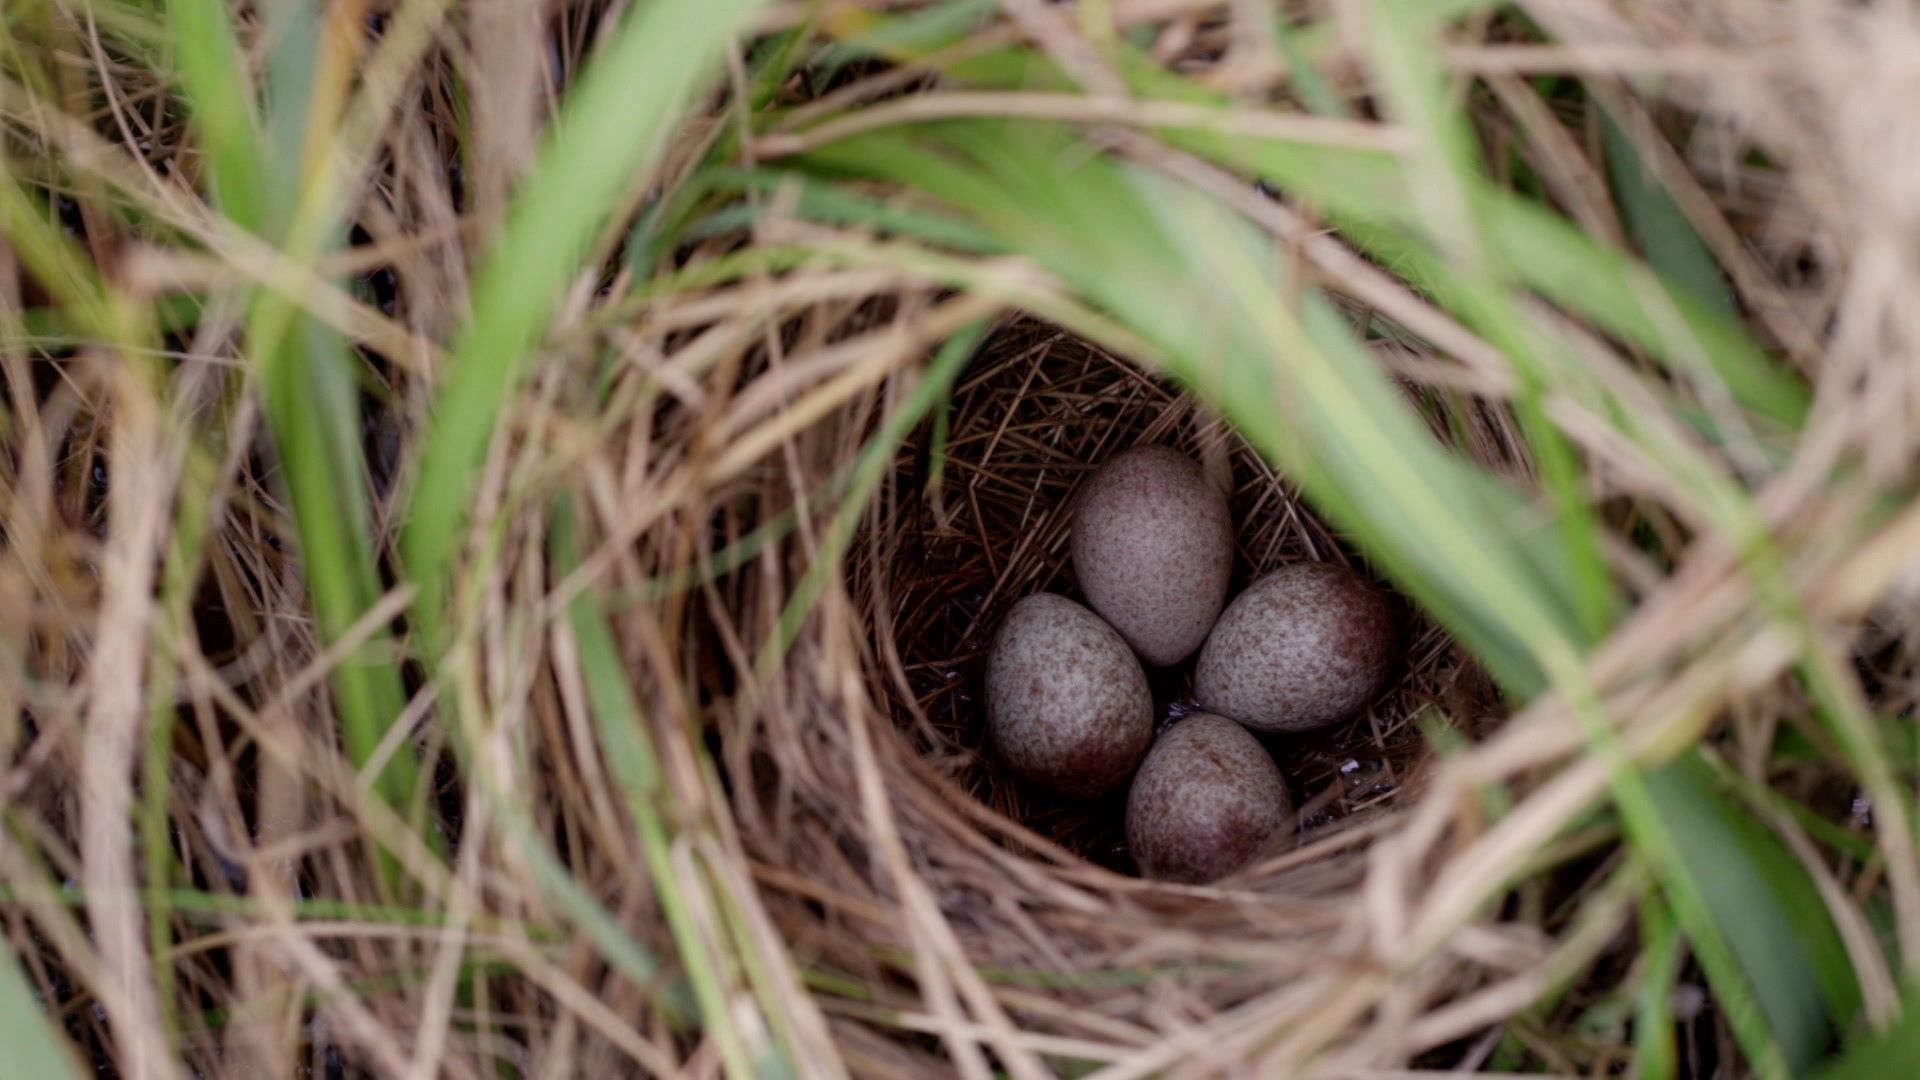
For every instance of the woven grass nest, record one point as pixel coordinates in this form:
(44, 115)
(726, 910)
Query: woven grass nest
(1040, 891)
(1030, 418)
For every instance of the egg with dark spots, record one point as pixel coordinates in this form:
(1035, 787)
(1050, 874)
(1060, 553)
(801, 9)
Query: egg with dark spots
(1153, 547)
(1303, 647)
(1068, 706)
(1205, 803)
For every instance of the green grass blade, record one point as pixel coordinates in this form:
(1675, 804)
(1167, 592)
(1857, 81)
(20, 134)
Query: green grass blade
(832, 205)
(26, 225)
(1624, 297)
(636, 770)
(1891, 1053)
(1445, 169)
(1553, 257)
(1789, 955)
(1313, 89)
(911, 34)
(1665, 236)
(34, 1047)
(869, 470)
(1367, 195)
(305, 370)
(1196, 283)
(1654, 1052)
(213, 75)
(612, 127)
(313, 409)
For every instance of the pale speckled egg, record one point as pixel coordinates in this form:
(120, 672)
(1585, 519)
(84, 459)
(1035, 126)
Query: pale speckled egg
(1303, 647)
(1207, 800)
(1068, 706)
(1153, 548)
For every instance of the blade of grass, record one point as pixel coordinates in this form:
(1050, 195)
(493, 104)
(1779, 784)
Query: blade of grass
(1729, 883)
(1369, 197)
(1445, 159)
(305, 370)
(1312, 87)
(612, 128)
(1788, 952)
(1358, 187)
(1653, 219)
(870, 469)
(1654, 1051)
(907, 35)
(831, 205)
(213, 75)
(635, 768)
(52, 328)
(1890, 1053)
(919, 34)
(34, 1047)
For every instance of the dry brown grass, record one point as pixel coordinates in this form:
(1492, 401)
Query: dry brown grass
(864, 891)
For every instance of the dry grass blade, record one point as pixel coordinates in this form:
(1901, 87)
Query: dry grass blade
(114, 719)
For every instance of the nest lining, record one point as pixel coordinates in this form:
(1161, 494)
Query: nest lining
(982, 514)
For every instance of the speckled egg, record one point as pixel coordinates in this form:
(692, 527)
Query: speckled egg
(1206, 801)
(1067, 704)
(1304, 646)
(1152, 547)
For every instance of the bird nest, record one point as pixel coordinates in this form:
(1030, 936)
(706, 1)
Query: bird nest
(919, 862)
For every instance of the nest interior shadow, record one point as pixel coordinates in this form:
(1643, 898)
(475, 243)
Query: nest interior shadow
(982, 517)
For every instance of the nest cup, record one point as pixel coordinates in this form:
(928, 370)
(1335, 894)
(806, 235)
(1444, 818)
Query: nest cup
(1039, 892)
(982, 517)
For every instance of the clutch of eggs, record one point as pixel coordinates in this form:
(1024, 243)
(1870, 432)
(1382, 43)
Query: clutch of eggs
(1068, 704)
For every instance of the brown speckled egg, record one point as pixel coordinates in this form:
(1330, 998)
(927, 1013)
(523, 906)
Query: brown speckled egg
(1205, 802)
(1067, 703)
(1304, 646)
(1152, 547)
